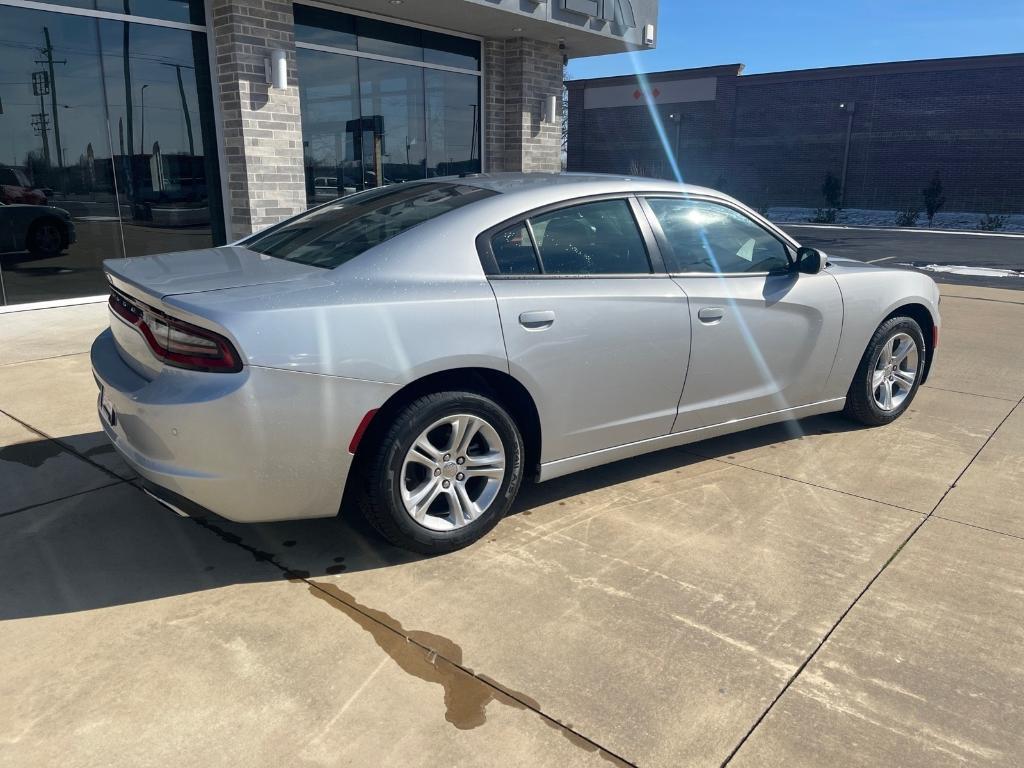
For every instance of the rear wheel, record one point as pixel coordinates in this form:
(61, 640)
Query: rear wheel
(45, 238)
(444, 473)
(889, 373)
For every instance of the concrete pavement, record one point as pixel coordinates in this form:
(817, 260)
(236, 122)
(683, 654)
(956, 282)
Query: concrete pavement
(825, 595)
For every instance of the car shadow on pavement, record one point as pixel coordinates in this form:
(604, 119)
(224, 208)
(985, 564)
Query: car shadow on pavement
(114, 545)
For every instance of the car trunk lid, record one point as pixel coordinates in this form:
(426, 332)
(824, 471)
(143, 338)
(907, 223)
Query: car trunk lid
(207, 269)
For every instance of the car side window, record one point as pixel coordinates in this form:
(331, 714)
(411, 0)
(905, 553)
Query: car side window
(600, 238)
(513, 250)
(708, 237)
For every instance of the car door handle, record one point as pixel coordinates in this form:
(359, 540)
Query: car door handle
(711, 315)
(538, 320)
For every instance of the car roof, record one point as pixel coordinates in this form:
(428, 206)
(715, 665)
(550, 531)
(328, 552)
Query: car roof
(574, 184)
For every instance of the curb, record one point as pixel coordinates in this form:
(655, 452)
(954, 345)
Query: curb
(972, 233)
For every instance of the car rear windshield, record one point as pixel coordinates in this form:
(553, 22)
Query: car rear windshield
(332, 234)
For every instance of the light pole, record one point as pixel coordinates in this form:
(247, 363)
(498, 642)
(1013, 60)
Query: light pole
(849, 107)
(677, 118)
(142, 139)
(184, 104)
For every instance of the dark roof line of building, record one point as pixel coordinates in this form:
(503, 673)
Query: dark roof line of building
(821, 73)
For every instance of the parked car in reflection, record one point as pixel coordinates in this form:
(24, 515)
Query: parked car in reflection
(15, 187)
(327, 188)
(41, 230)
(430, 344)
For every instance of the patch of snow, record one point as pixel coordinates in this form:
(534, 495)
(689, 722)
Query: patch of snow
(954, 269)
(862, 217)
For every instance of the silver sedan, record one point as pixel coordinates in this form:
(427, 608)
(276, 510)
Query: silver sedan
(428, 345)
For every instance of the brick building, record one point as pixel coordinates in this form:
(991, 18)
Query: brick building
(140, 127)
(770, 139)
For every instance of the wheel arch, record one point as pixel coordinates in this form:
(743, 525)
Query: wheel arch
(503, 388)
(923, 316)
(46, 219)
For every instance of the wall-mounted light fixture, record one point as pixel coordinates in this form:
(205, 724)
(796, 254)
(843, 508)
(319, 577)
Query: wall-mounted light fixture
(277, 69)
(648, 34)
(550, 111)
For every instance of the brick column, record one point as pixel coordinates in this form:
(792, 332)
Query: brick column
(520, 74)
(262, 127)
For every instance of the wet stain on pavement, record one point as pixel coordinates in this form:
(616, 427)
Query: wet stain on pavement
(334, 570)
(32, 455)
(423, 655)
(438, 660)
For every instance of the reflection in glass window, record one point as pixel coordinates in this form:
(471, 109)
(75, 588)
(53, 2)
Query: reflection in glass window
(368, 123)
(323, 27)
(85, 193)
(707, 237)
(514, 252)
(159, 106)
(591, 239)
(319, 26)
(335, 233)
(184, 11)
(391, 133)
(385, 39)
(451, 51)
(453, 123)
(329, 94)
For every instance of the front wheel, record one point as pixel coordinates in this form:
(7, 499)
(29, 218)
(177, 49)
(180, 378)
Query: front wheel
(444, 473)
(889, 373)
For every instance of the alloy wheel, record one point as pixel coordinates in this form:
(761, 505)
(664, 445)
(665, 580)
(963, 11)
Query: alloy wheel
(894, 371)
(47, 238)
(452, 473)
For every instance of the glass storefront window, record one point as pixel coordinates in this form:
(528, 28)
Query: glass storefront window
(184, 11)
(367, 122)
(393, 137)
(319, 26)
(453, 123)
(329, 94)
(105, 148)
(322, 27)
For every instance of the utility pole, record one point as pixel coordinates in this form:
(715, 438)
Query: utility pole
(677, 118)
(40, 120)
(49, 62)
(142, 140)
(184, 105)
(849, 107)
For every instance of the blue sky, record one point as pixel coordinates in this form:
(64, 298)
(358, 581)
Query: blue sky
(802, 34)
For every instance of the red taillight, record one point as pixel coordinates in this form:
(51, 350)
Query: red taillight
(176, 342)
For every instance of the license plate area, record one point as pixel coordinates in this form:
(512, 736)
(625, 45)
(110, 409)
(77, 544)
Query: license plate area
(107, 408)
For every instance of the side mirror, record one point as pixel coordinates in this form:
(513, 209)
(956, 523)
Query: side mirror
(810, 261)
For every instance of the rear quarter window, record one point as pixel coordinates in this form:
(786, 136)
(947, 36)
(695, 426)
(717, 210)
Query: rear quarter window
(332, 234)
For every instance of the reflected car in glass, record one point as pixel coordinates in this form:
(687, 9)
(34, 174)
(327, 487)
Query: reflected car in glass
(425, 347)
(41, 230)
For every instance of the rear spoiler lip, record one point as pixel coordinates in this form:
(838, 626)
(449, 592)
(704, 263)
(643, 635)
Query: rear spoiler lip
(130, 287)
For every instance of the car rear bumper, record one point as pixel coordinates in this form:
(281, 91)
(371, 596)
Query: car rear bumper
(256, 446)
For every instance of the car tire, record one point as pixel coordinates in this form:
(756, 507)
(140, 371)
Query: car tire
(46, 238)
(416, 494)
(889, 373)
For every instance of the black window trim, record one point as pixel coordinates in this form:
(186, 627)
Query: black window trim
(654, 258)
(789, 246)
